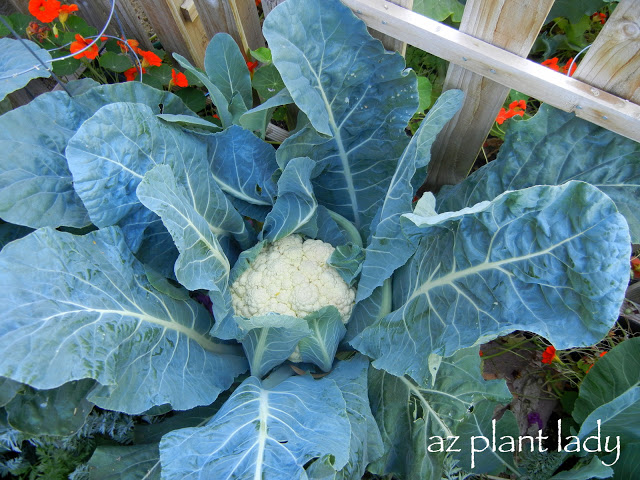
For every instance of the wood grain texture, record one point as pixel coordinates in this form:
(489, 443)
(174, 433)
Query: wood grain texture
(175, 32)
(613, 61)
(390, 43)
(96, 14)
(510, 24)
(238, 18)
(569, 94)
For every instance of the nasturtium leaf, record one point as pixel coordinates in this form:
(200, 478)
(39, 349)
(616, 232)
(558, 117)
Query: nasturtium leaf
(125, 463)
(110, 154)
(443, 403)
(320, 346)
(243, 165)
(227, 69)
(358, 98)
(116, 62)
(389, 248)
(59, 412)
(82, 307)
(294, 211)
(366, 442)
(267, 81)
(552, 148)
(440, 10)
(36, 188)
(524, 261)
(424, 93)
(263, 433)
(270, 339)
(19, 64)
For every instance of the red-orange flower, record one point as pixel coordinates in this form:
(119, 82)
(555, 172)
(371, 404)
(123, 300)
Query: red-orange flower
(81, 43)
(252, 66)
(552, 63)
(635, 267)
(44, 10)
(258, 2)
(598, 16)
(565, 67)
(516, 108)
(65, 10)
(132, 44)
(549, 355)
(149, 59)
(178, 79)
(132, 73)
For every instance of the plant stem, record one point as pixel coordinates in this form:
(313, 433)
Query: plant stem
(507, 349)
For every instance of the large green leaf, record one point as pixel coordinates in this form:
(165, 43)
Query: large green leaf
(133, 462)
(413, 418)
(366, 442)
(17, 61)
(552, 148)
(59, 412)
(388, 248)
(110, 154)
(358, 99)
(263, 433)
(551, 260)
(227, 69)
(82, 307)
(36, 187)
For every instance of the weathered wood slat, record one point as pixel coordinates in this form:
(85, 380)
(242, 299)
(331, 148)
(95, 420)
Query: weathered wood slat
(177, 34)
(390, 43)
(238, 18)
(96, 13)
(510, 24)
(591, 103)
(613, 61)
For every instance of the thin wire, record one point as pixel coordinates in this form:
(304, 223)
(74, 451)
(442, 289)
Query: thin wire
(40, 61)
(36, 67)
(575, 58)
(126, 41)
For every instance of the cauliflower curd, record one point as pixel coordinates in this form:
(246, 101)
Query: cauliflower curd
(292, 277)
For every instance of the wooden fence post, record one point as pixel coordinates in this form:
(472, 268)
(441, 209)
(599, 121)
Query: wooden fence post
(391, 43)
(238, 18)
(612, 63)
(510, 24)
(180, 33)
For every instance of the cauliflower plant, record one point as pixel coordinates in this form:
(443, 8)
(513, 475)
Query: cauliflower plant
(291, 277)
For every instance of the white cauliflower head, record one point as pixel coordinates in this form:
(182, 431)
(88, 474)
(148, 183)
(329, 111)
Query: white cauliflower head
(291, 277)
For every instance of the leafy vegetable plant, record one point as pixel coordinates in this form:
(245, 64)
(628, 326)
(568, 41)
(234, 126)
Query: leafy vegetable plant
(139, 208)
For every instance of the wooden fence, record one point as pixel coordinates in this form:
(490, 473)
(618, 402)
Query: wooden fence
(486, 55)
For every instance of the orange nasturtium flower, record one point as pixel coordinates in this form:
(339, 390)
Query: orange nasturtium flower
(552, 63)
(149, 59)
(44, 10)
(79, 44)
(516, 108)
(65, 10)
(565, 68)
(598, 16)
(133, 44)
(635, 267)
(549, 355)
(132, 73)
(178, 79)
(252, 66)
